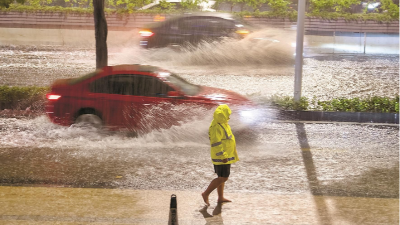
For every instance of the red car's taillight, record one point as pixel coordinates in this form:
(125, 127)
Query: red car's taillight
(53, 96)
(146, 33)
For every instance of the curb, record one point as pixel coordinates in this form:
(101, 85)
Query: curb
(358, 117)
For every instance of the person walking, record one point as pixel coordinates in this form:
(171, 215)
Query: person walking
(223, 152)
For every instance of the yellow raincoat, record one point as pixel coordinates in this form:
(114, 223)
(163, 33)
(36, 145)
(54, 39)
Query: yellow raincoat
(223, 144)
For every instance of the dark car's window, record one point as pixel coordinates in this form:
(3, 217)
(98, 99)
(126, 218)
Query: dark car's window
(129, 84)
(172, 26)
(226, 24)
(210, 24)
(191, 24)
(196, 23)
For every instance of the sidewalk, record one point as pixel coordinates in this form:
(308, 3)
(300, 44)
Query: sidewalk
(59, 205)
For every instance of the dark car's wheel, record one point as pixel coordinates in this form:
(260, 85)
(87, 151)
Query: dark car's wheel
(88, 120)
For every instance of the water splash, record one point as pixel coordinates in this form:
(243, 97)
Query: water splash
(257, 49)
(266, 47)
(189, 128)
(40, 132)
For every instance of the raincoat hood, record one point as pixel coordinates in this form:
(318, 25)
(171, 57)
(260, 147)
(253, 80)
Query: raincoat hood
(221, 114)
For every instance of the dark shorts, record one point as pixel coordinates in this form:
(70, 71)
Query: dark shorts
(222, 170)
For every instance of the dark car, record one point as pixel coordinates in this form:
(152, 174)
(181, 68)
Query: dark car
(134, 97)
(192, 29)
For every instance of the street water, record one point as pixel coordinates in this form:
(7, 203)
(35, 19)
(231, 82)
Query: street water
(324, 159)
(264, 62)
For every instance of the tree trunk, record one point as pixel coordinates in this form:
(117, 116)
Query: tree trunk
(100, 28)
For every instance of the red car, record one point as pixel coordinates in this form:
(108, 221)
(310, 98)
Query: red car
(133, 97)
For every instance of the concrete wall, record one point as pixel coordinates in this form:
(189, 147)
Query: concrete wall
(65, 37)
(67, 29)
(70, 21)
(132, 21)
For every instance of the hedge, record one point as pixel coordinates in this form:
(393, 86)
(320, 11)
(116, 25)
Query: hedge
(279, 10)
(376, 104)
(22, 97)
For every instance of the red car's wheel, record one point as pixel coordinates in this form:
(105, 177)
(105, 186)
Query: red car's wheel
(89, 120)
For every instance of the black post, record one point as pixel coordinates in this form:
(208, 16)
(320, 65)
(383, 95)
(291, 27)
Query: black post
(173, 212)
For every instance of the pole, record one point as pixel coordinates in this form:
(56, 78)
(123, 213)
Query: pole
(365, 41)
(299, 50)
(100, 33)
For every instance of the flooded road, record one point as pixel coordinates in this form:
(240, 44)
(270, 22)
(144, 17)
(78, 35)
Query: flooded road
(265, 66)
(276, 157)
(332, 165)
(328, 159)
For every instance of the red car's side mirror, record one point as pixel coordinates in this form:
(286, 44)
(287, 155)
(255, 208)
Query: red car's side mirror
(173, 94)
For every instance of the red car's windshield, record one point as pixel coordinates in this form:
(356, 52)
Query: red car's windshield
(183, 85)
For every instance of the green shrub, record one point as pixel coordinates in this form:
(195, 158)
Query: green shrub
(288, 103)
(291, 15)
(341, 6)
(370, 104)
(164, 5)
(317, 6)
(279, 6)
(326, 9)
(391, 9)
(344, 6)
(22, 97)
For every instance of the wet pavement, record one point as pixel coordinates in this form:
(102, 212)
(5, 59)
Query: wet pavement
(289, 173)
(52, 205)
(58, 205)
(325, 158)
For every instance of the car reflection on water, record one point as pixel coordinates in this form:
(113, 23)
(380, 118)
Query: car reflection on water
(134, 97)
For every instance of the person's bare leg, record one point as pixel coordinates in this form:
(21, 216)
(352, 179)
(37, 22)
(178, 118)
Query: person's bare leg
(220, 190)
(213, 185)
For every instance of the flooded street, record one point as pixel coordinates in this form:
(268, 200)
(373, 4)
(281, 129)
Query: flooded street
(277, 158)
(288, 173)
(344, 160)
(267, 68)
